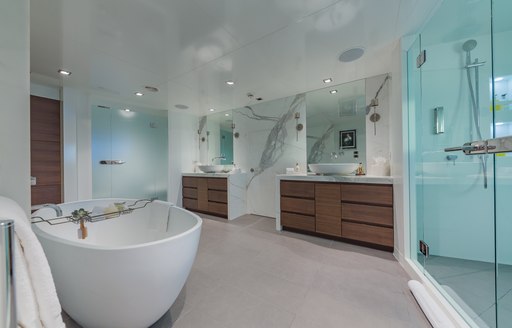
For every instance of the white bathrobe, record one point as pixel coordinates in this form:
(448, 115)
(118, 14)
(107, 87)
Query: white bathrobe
(36, 299)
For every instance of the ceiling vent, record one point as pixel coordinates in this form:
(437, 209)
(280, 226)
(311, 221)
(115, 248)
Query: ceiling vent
(150, 88)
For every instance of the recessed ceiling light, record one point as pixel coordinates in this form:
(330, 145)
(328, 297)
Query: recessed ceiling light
(333, 91)
(351, 54)
(127, 110)
(226, 114)
(230, 82)
(328, 80)
(498, 79)
(140, 94)
(64, 72)
(212, 109)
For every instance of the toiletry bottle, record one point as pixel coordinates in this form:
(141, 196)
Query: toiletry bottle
(297, 168)
(360, 170)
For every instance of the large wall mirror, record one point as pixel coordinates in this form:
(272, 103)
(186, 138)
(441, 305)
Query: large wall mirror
(216, 140)
(336, 127)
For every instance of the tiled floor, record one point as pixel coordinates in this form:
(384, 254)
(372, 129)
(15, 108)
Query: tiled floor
(472, 284)
(247, 274)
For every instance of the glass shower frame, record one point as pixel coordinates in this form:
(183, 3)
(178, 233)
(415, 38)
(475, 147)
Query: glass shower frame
(465, 225)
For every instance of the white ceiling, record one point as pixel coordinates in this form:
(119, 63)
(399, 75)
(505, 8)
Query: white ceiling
(189, 48)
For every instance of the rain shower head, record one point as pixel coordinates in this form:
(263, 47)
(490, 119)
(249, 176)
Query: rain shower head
(469, 45)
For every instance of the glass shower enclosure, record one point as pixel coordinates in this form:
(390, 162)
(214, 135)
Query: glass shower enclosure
(129, 153)
(460, 128)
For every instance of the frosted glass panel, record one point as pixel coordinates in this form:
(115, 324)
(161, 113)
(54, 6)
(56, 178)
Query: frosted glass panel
(139, 140)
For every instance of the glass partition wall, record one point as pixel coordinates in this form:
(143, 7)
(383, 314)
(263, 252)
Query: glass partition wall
(129, 153)
(460, 100)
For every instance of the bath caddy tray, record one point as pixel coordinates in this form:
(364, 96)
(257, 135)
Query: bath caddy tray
(138, 204)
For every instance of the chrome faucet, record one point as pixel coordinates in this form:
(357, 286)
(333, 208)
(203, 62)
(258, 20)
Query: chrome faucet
(221, 157)
(57, 208)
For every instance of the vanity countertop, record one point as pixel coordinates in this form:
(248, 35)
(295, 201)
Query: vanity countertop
(211, 175)
(337, 178)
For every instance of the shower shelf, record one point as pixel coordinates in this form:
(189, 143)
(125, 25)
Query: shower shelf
(139, 204)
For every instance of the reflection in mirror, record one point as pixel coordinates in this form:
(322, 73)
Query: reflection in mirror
(336, 127)
(219, 139)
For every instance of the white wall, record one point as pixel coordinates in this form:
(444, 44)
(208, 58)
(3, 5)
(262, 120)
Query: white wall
(183, 151)
(76, 113)
(45, 91)
(14, 102)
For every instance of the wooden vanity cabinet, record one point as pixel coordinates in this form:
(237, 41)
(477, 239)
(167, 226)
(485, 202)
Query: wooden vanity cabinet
(206, 194)
(362, 213)
(367, 213)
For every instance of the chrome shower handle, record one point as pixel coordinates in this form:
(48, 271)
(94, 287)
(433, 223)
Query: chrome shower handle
(490, 146)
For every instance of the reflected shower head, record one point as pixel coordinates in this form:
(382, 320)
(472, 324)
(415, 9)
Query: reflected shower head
(469, 45)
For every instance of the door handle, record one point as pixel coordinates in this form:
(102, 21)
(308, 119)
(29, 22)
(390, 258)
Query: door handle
(111, 162)
(490, 146)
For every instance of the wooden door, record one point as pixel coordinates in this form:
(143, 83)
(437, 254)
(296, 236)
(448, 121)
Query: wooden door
(45, 150)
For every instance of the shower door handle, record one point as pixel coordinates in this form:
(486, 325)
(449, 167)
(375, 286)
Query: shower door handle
(111, 162)
(490, 146)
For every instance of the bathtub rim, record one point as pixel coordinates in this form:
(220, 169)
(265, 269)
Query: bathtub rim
(42, 233)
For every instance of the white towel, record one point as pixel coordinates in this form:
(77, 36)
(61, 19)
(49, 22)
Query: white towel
(36, 299)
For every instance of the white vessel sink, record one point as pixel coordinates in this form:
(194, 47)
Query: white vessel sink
(211, 168)
(334, 168)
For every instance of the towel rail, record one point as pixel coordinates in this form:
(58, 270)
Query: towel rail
(7, 292)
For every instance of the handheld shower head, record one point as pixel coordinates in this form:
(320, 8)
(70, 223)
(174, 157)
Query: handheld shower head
(469, 45)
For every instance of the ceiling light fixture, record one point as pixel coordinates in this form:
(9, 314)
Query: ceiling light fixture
(212, 109)
(351, 54)
(333, 91)
(226, 114)
(181, 106)
(150, 88)
(230, 82)
(139, 94)
(64, 72)
(127, 110)
(328, 80)
(498, 79)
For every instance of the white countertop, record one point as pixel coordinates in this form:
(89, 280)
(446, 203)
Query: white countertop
(210, 175)
(337, 178)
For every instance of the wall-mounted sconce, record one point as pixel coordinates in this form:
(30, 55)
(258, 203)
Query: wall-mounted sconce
(298, 126)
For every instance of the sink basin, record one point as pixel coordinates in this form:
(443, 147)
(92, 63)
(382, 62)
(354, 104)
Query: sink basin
(211, 168)
(334, 168)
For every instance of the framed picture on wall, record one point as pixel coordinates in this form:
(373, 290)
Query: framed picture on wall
(348, 139)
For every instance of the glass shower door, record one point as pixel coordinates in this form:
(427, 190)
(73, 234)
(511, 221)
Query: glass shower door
(129, 153)
(454, 192)
(502, 109)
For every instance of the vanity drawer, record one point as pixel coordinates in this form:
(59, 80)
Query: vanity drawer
(298, 189)
(190, 192)
(218, 184)
(218, 208)
(298, 205)
(370, 214)
(190, 182)
(298, 221)
(367, 233)
(217, 196)
(369, 194)
(190, 204)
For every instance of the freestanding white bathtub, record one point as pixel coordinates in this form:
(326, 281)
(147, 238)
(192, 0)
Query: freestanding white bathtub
(129, 270)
